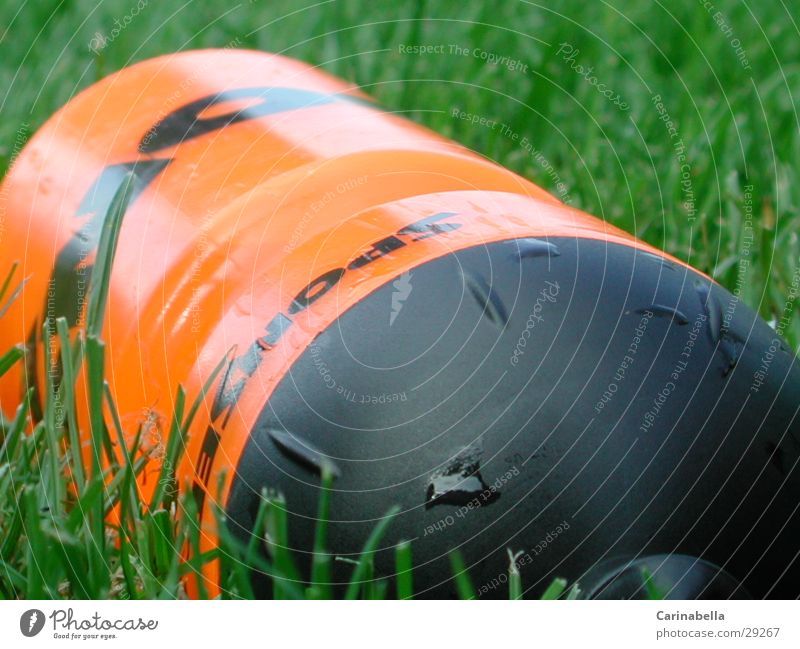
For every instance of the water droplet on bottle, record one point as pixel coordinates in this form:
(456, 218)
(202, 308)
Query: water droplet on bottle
(731, 347)
(302, 452)
(712, 309)
(530, 248)
(663, 311)
(662, 261)
(460, 482)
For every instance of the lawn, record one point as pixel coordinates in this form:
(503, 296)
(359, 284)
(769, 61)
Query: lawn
(674, 121)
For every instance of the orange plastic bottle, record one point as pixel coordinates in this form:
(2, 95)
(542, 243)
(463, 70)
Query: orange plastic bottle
(444, 333)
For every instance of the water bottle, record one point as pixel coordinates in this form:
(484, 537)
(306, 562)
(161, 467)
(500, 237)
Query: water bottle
(434, 330)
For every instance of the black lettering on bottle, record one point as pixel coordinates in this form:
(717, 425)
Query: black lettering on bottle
(379, 249)
(275, 329)
(187, 122)
(199, 495)
(240, 369)
(430, 226)
(208, 451)
(316, 290)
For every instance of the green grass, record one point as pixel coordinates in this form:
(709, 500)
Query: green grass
(738, 124)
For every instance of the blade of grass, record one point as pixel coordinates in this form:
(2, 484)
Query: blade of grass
(179, 430)
(164, 492)
(651, 589)
(95, 362)
(7, 280)
(464, 586)
(277, 538)
(95, 507)
(10, 358)
(367, 554)
(161, 538)
(403, 565)
(205, 389)
(514, 578)
(52, 480)
(555, 589)
(231, 551)
(190, 521)
(14, 432)
(16, 578)
(377, 588)
(321, 559)
(17, 290)
(128, 572)
(106, 249)
(37, 565)
(67, 387)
